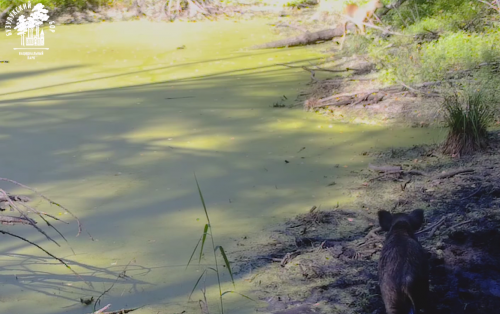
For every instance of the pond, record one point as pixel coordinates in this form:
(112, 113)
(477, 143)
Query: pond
(114, 120)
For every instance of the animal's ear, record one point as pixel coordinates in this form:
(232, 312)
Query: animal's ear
(417, 219)
(385, 220)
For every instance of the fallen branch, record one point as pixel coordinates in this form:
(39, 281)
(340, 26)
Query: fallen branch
(473, 193)
(15, 198)
(48, 200)
(417, 91)
(23, 215)
(9, 220)
(371, 238)
(432, 227)
(317, 68)
(352, 78)
(403, 186)
(304, 39)
(288, 257)
(451, 174)
(458, 224)
(385, 30)
(366, 97)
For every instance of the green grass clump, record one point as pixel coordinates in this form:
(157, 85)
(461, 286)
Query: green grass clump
(468, 115)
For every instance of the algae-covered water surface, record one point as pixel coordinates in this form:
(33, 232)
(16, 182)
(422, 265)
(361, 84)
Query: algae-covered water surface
(113, 121)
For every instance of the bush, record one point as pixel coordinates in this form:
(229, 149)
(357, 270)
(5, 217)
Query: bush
(437, 60)
(451, 15)
(468, 115)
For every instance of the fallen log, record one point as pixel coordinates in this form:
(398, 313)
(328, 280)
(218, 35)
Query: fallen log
(304, 39)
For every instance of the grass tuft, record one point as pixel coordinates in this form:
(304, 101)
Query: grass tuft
(468, 115)
(207, 231)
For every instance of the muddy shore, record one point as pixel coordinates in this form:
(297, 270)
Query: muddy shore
(325, 260)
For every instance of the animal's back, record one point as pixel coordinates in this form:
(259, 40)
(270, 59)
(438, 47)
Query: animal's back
(403, 274)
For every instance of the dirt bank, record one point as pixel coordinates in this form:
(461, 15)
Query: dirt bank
(325, 260)
(345, 86)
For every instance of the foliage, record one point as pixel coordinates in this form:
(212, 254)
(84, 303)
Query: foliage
(357, 44)
(468, 115)
(296, 3)
(449, 15)
(437, 60)
(80, 4)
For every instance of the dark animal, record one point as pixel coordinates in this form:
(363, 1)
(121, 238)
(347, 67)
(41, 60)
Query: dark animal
(402, 270)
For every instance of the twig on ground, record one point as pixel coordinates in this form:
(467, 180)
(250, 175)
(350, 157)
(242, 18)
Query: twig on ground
(473, 193)
(432, 227)
(288, 257)
(451, 174)
(371, 238)
(458, 224)
(403, 186)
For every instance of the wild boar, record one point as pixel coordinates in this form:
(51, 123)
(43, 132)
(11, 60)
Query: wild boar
(402, 269)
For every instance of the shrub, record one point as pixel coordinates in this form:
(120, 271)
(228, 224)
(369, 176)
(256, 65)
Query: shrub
(437, 60)
(449, 15)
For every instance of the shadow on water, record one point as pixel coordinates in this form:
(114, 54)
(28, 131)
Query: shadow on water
(200, 77)
(19, 75)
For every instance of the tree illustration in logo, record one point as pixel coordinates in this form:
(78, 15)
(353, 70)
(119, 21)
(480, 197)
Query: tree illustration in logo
(27, 25)
(21, 27)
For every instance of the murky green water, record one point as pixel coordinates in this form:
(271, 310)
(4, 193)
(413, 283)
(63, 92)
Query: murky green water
(113, 121)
